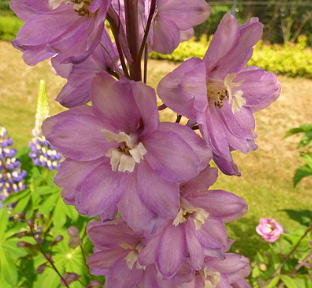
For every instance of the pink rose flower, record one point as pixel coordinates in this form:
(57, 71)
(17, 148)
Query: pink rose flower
(269, 229)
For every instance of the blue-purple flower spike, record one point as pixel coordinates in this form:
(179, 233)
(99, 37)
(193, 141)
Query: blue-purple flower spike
(42, 152)
(11, 174)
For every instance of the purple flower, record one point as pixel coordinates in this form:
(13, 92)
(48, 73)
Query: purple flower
(198, 228)
(11, 175)
(71, 28)
(43, 154)
(220, 273)
(174, 21)
(220, 93)
(116, 255)
(269, 229)
(119, 153)
(77, 90)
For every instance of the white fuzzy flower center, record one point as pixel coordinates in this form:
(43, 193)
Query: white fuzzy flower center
(133, 256)
(127, 154)
(198, 215)
(210, 278)
(218, 90)
(80, 6)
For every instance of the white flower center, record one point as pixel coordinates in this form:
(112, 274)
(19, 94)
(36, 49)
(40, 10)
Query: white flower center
(80, 6)
(133, 256)
(198, 215)
(210, 278)
(218, 90)
(127, 154)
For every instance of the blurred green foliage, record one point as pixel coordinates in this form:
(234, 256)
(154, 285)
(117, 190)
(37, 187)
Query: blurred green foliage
(291, 59)
(9, 26)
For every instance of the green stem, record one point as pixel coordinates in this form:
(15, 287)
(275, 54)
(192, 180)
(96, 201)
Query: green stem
(290, 253)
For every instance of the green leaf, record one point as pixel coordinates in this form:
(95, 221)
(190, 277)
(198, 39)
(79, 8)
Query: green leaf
(300, 129)
(70, 211)
(59, 215)
(273, 282)
(48, 279)
(302, 172)
(308, 159)
(21, 204)
(48, 204)
(16, 196)
(288, 282)
(10, 247)
(44, 190)
(8, 270)
(306, 139)
(18, 227)
(256, 272)
(4, 219)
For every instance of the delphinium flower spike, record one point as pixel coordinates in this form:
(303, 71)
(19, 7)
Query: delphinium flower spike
(220, 94)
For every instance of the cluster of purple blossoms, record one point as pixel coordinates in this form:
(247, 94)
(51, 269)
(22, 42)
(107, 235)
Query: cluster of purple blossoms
(120, 158)
(11, 175)
(43, 154)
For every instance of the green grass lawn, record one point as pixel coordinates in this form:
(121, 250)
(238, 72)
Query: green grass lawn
(266, 184)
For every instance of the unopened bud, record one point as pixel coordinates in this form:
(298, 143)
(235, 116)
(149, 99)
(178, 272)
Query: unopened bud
(56, 240)
(73, 231)
(69, 278)
(23, 244)
(94, 284)
(30, 222)
(39, 216)
(18, 216)
(20, 234)
(48, 256)
(40, 268)
(74, 242)
(40, 240)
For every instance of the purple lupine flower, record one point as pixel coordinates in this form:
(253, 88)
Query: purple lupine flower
(269, 229)
(119, 153)
(198, 228)
(72, 29)
(79, 76)
(11, 175)
(220, 94)
(220, 273)
(43, 154)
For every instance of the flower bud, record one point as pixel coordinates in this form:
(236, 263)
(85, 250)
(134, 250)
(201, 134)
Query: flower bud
(73, 231)
(69, 278)
(23, 244)
(41, 268)
(20, 234)
(74, 242)
(30, 222)
(94, 284)
(57, 239)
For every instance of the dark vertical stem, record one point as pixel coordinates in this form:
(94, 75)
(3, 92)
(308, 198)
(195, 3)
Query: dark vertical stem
(145, 63)
(148, 27)
(132, 28)
(115, 29)
(47, 258)
(85, 260)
